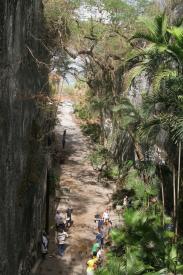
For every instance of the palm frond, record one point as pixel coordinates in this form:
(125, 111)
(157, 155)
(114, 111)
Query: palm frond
(160, 272)
(151, 49)
(149, 129)
(128, 115)
(134, 54)
(176, 52)
(177, 129)
(154, 49)
(124, 105)
(161, 75)
(156, 30)
(132, 74)
(150, 25)
(177, 33)
(161, 25)
(143, 35)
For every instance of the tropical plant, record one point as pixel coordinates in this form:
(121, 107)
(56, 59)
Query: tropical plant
(161, 53)
(143, 244)
(161, 59)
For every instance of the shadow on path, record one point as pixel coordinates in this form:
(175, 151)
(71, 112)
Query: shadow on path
(84, 194)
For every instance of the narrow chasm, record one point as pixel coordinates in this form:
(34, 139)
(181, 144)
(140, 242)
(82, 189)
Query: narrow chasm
(91, 134)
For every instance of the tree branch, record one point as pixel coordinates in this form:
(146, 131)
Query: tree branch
(38, 62)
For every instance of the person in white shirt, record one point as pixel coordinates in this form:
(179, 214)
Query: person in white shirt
(58, 218)
(100, 253)
(106, 215)
(125, 201)
(61, 236)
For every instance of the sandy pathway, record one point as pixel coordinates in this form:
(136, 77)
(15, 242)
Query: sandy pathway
(78, 187)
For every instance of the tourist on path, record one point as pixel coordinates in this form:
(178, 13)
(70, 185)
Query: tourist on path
(44, 244)
(106, 215)
(58, 219)
(125, 201)
(64, 139)
(92, 264)
(69, 216)
(61, 236)
(61, 226)
(100, 256)
(100, 223)
(100, 237)
(95, 247)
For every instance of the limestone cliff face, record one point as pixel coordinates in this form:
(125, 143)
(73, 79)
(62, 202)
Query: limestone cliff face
(177, 13)
(22, 161)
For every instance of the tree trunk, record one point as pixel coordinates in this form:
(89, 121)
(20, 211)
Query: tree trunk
(174, 196)
(102, 135)
(178, 188)
(139, 153)
(138, 149)
(162, 193)
(47, 203)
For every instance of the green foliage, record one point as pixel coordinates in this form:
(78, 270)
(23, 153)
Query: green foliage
(88, 107)
(92, 130)
(163, 41)
(127, 116)
(143, 245)
(155, 30)
(98, 156)
(101, 160)
(113, 171)
(82, 111)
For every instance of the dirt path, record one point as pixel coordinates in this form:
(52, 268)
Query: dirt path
(78, 184)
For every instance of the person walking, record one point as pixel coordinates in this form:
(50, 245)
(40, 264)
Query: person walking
(106, 215)
(58, 219)
(61, 225)
(100, 256)
(125, 201)
(69, 216)
(44, 244)
(100, 237)
(92, 264)
(95, 247)
(100, 223)
(61, 236)
(64, 139)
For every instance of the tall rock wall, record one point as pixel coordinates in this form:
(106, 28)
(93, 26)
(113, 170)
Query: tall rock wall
(22, 158)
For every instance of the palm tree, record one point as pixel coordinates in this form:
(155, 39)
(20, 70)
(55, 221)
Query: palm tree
(161, 56)
(127, 117)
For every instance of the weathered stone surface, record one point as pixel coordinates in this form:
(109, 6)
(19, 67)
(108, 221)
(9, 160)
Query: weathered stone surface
(21, 194)
(177, 13)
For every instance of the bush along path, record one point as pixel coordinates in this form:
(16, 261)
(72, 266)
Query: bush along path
(79, 189)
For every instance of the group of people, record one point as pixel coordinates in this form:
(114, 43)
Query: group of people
(61, 222)
(102, 241)
(62, 226)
